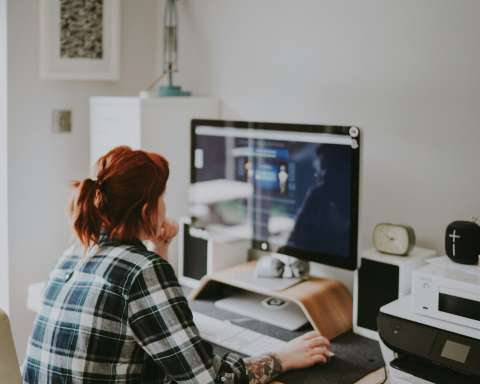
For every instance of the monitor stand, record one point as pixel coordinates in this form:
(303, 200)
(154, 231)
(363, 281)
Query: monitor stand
(326, 303)
(265, 308)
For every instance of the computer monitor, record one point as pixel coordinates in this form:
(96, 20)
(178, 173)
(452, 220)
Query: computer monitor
(290, 188)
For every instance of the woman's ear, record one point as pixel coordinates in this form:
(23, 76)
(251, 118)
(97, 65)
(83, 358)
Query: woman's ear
(148, 223)
(153, 218)
(144, 211)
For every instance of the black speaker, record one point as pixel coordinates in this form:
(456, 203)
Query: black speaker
(380, 280)
(380, 285)
(201, 253)
(462, 242)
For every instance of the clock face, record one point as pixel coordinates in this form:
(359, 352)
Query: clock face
(392, 239)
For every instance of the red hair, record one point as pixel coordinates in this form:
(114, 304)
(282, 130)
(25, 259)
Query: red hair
(123, 202)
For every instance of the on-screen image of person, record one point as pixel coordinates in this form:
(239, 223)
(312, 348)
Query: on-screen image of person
(248, 166)
(282, 179)
(322, 222)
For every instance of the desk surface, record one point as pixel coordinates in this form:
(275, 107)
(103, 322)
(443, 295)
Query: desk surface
(356, 356)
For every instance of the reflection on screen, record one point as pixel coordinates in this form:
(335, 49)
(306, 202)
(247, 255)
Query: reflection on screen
(286, 190)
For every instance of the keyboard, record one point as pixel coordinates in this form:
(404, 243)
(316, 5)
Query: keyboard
(233, 337)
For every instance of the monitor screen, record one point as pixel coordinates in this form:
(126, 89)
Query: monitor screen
(291, 189)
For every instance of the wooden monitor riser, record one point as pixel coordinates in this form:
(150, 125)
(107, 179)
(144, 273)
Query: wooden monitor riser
(326, 303)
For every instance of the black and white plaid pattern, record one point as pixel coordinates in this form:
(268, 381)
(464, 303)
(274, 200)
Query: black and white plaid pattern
(118, 315)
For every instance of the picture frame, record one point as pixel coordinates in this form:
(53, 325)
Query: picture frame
(80, 40)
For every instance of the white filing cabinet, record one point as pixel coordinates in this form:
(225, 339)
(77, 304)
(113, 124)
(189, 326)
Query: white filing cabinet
(158, 124)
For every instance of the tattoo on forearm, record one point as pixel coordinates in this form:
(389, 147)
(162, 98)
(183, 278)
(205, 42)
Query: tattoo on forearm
(262, 370)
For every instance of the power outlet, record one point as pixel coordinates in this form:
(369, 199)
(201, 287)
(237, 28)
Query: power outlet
(62, 121)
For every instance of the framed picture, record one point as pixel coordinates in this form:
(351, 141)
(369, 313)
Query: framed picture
(79, 39)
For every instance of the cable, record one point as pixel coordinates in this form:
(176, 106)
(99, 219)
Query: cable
(386, 375)
(155, 82)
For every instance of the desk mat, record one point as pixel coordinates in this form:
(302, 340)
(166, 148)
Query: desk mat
(356, 356)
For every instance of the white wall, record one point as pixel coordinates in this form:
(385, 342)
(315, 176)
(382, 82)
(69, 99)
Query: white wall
(42, 163)
(406, 72)
(4, 299)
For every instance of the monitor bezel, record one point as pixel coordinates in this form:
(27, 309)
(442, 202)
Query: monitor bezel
(351, 262)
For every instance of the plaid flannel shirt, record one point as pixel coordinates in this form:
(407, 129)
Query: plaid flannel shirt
(118, 315)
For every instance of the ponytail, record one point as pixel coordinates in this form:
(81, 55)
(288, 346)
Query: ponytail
(122, 203)
(86, 218)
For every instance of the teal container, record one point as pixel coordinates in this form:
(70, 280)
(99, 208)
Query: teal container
(172, 90)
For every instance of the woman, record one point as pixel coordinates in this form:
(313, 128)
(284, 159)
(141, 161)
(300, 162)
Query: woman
(113, 311)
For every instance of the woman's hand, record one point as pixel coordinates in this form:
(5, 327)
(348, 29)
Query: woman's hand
(304, 351)
(167, 232)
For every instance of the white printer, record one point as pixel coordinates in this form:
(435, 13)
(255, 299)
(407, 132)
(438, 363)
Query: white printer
(433, 336)
(448, 291)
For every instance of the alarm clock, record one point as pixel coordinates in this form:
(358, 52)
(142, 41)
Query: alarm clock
(462, 242)
(394, 239)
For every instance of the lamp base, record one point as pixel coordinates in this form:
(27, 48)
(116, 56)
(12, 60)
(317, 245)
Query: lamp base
(172, 90)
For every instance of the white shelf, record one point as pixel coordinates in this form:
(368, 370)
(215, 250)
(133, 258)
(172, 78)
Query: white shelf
(413, 257)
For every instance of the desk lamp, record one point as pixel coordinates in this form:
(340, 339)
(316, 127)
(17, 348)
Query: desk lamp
(170, 50)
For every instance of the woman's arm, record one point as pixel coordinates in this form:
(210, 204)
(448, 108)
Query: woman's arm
(162, 323)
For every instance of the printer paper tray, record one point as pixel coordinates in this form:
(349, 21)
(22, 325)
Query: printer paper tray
(431, 372)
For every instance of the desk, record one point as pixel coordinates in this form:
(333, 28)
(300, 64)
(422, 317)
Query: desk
(337, 372)
(358, 360)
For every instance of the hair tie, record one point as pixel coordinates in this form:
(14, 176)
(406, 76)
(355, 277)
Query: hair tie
(99, 184)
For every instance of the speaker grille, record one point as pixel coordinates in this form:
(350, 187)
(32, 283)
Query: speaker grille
(195, 255)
